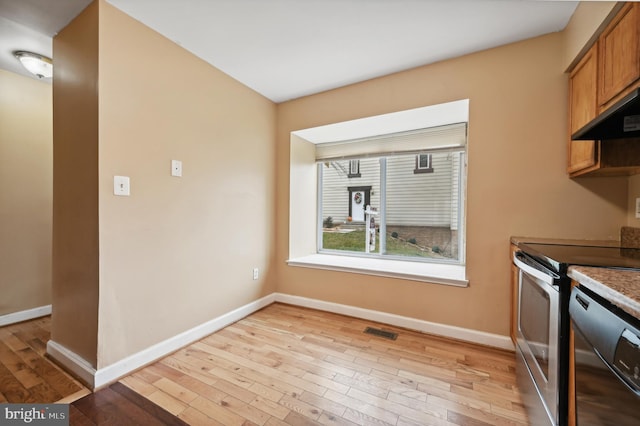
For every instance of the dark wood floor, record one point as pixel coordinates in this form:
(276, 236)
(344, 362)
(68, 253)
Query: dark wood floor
(118, 405)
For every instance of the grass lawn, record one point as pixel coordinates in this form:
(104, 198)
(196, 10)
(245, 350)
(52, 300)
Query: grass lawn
(354, 241)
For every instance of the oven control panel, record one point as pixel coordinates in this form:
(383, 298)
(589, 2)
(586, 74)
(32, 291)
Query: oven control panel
(627, 358)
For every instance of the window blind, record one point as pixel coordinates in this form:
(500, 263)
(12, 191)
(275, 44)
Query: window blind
(451, 136)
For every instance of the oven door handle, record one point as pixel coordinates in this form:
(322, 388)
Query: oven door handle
(521, 261)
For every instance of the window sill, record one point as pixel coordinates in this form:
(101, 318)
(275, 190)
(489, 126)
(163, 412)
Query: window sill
(425, 170)
(437, 273)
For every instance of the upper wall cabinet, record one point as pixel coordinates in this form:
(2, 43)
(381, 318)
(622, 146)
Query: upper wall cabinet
(619, 55)
(607, 72)
(583, 107)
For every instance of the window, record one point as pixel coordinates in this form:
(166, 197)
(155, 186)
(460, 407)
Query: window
(423, 164)
(326, 205)
(413, 218)
(354, 168)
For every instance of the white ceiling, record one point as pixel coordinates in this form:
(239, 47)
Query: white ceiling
(285, 49)
(30, 25)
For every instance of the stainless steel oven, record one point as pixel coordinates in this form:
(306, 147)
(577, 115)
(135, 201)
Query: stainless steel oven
(538, 340)
(542, 341)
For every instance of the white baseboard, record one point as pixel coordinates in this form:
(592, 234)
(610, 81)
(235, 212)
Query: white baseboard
(96, 379)
(25, 315)
(72, 362)
(131, 363)
(468, 335)
(106, 375)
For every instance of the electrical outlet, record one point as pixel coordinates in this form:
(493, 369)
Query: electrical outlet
(637, 208)
(255, 273)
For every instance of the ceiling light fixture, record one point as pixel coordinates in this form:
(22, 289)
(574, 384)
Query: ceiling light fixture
(38, 65)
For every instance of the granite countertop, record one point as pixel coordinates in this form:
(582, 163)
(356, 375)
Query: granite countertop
(618, 286)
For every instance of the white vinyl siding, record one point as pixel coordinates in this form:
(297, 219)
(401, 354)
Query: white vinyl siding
(427, 199)
(423, 199)
(336, 183)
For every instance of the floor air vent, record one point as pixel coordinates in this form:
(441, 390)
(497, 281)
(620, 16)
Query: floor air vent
(381, 333)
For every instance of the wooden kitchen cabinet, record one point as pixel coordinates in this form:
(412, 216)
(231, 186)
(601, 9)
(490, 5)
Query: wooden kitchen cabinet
(616, 157)
(583, 156)
(608, 71)
(619, 55)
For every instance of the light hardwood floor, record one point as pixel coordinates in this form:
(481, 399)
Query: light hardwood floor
(287, 365)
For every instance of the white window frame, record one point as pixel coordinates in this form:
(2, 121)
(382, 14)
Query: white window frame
(303, 216)
(382, 220)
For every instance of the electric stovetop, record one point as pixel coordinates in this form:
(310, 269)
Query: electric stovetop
(559, 257)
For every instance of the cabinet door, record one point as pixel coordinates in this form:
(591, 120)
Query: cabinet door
(582, 109)
(619, 53)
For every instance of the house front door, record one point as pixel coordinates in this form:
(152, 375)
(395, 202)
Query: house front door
(359, 198)
(357, 206)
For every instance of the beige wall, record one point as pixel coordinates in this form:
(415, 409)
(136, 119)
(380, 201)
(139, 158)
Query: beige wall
(133, 271)
(75, 190)
(517, 184)
(26, 195)
(179, 251)
(583, 28)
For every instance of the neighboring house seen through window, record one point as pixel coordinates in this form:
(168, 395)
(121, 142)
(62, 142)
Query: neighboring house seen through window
(415, 217)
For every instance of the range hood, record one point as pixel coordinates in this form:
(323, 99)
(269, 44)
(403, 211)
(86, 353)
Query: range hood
(621, 121)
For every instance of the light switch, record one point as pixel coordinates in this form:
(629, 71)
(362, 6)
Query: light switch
(176, 168)
(121, 186)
